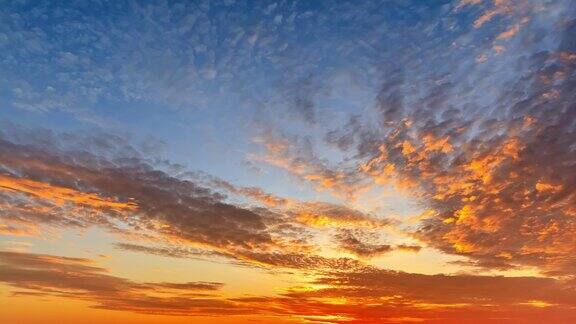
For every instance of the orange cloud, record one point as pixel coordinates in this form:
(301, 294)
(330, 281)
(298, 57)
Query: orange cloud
(77, 278)
(366, 244)
(61, 195)
(295, 157)
(350, 293)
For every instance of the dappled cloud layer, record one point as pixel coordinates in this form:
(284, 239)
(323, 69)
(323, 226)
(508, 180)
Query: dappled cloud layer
(456, 156)
(501, 180)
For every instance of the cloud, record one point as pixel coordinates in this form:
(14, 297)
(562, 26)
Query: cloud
(365, 244)
(16, 246)
(449, 289)
(487, 148)
(315, 214)
(194, 286)
(351, 243)
(77, 278)
(300, 93)
(409, 248)
(278, 259)
(17, 231)
(50, 185)
(297, 157)
(350, 293)
(319, 218)
(183, 55)
(327, 215)
(53, 183)
(172, 251)
(381, 296)
(59, 195)
(253, 193)
(186, 43)
(498, 174)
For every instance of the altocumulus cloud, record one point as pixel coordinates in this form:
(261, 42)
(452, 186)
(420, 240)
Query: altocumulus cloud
(499, 175)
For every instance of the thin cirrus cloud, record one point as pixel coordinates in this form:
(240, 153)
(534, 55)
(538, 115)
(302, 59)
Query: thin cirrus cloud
(296, 155)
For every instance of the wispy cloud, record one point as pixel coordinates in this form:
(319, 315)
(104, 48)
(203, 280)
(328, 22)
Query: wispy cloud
(359, 294)
(77, 278)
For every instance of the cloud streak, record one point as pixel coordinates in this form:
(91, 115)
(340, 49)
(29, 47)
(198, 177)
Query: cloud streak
(371, 295)
(77, 278)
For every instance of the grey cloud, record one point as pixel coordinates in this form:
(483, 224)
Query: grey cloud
(365, 243)
(184, 209)
(171, 251)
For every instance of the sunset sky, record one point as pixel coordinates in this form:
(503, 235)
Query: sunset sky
(288, 162)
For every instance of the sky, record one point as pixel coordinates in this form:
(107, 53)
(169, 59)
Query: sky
(233, 161)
